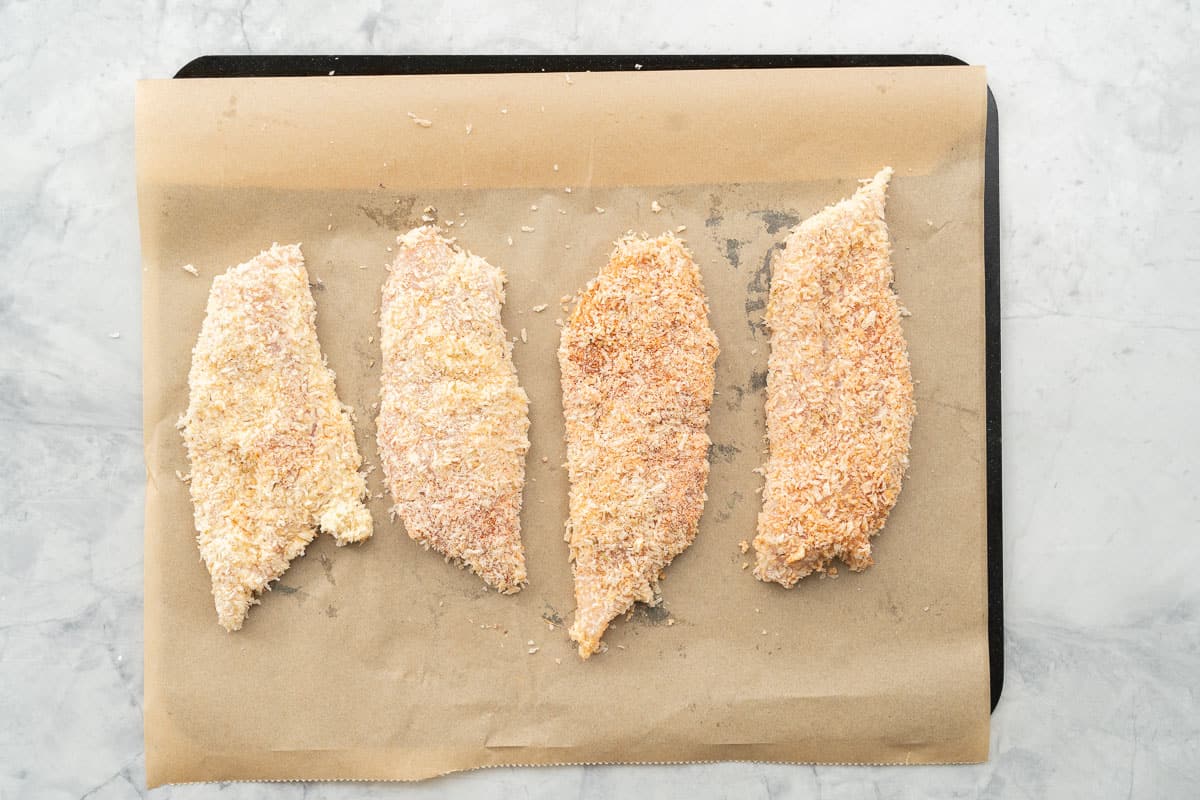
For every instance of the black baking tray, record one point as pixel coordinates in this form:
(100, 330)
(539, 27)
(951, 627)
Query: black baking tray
(254, 66)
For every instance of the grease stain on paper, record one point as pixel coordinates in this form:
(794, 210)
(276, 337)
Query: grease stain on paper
(399, 218)
(775, 221)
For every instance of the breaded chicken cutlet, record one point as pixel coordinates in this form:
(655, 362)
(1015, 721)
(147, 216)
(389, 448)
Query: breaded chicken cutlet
(637, 358)
(453, 421)
(839, 392)
(272, 449)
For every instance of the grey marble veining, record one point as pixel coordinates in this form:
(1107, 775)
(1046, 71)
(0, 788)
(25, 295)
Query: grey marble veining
(1100, 113)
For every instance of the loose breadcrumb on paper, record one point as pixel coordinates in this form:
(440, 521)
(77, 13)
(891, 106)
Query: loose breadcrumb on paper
(424, 123)
(191, 269)
(539, 308)
(743, 545)
(637, 373)
(524, 335)
(599, 210)
(526, 229)
(469, 128)
(453, 420)
(839, 392)
(655, 207)
(272, 448)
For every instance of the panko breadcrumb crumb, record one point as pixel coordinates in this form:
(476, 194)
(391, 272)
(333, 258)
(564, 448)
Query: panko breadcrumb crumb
(637, 379)
(839, 392)
(271, 447)
(453, 420)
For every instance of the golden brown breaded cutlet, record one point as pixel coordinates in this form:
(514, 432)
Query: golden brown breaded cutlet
(839, 392)
(271, 447)
(637, 361)
(453, 421)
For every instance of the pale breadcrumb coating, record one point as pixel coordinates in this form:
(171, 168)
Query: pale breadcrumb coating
(272, 449)
(839, 392)
(453, 421)
(637, 359)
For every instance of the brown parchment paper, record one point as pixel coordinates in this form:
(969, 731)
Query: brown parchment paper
(380, 661)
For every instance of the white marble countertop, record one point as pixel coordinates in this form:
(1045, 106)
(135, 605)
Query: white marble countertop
(1099, 116)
